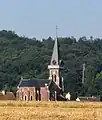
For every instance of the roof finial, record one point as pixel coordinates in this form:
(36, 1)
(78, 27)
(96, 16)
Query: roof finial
(55, 54)
(56, 31)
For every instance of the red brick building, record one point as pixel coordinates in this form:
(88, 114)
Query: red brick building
(7, 96)
(44, 89)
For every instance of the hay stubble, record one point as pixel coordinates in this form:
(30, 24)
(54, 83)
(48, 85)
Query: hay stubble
(12, 110)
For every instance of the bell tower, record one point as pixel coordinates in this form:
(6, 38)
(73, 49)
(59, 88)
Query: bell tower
(54, 67)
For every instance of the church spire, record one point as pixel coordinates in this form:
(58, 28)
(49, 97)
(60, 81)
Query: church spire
(55, 57)
(54, 67)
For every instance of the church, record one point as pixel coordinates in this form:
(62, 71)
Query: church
(50, 89)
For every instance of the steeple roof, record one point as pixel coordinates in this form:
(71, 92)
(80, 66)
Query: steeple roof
(55, 56)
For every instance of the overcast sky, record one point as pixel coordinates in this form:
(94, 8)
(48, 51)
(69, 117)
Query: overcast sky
(38, 18)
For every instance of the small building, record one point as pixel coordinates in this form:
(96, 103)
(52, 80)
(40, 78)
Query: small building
(7, 96)
(44, 89)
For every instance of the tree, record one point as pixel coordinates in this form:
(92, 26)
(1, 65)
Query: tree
(30, 58)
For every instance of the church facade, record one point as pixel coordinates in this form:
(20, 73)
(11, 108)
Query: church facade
(44, 89)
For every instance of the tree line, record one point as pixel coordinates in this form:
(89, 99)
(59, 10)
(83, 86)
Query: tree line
(22, 56)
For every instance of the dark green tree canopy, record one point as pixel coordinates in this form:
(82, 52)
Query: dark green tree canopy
(22, 56)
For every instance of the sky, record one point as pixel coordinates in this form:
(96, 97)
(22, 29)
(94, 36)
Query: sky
(38, 18)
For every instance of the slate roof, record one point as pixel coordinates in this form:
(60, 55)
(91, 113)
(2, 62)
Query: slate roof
(34, 83)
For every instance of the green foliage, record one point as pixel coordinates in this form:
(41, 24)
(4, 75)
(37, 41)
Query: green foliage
(30, 58)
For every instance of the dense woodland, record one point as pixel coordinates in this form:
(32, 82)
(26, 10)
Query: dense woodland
(21, 56)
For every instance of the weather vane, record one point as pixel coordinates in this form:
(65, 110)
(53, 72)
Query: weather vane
(56, 31)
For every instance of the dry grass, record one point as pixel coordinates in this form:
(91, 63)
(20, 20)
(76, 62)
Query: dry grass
(13, 110)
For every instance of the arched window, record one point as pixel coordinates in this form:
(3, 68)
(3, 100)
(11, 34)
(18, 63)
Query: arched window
(55, 78)
(25, 98)
(31, 98)
(52, 78)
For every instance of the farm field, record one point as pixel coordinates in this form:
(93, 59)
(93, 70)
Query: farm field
(13, 110)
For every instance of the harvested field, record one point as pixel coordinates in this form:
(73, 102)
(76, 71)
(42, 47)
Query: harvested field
(13, 110)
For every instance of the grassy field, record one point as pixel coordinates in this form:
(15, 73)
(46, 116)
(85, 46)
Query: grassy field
(13, 110)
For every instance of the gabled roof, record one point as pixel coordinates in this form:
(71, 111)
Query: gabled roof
(55, 85)
(34, 83)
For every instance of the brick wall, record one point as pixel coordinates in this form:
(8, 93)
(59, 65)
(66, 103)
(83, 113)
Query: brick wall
(26, 93)
(44, 94)
(30, 93)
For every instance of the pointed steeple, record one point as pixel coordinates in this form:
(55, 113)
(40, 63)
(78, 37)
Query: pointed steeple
(55, 65)
(55, 54)
(54, 59)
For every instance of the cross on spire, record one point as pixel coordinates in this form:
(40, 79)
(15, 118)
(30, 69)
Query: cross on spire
(56, 31)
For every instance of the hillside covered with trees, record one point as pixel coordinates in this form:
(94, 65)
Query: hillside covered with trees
(21, 56)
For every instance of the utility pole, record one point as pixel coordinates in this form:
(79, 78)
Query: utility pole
(83, 74)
